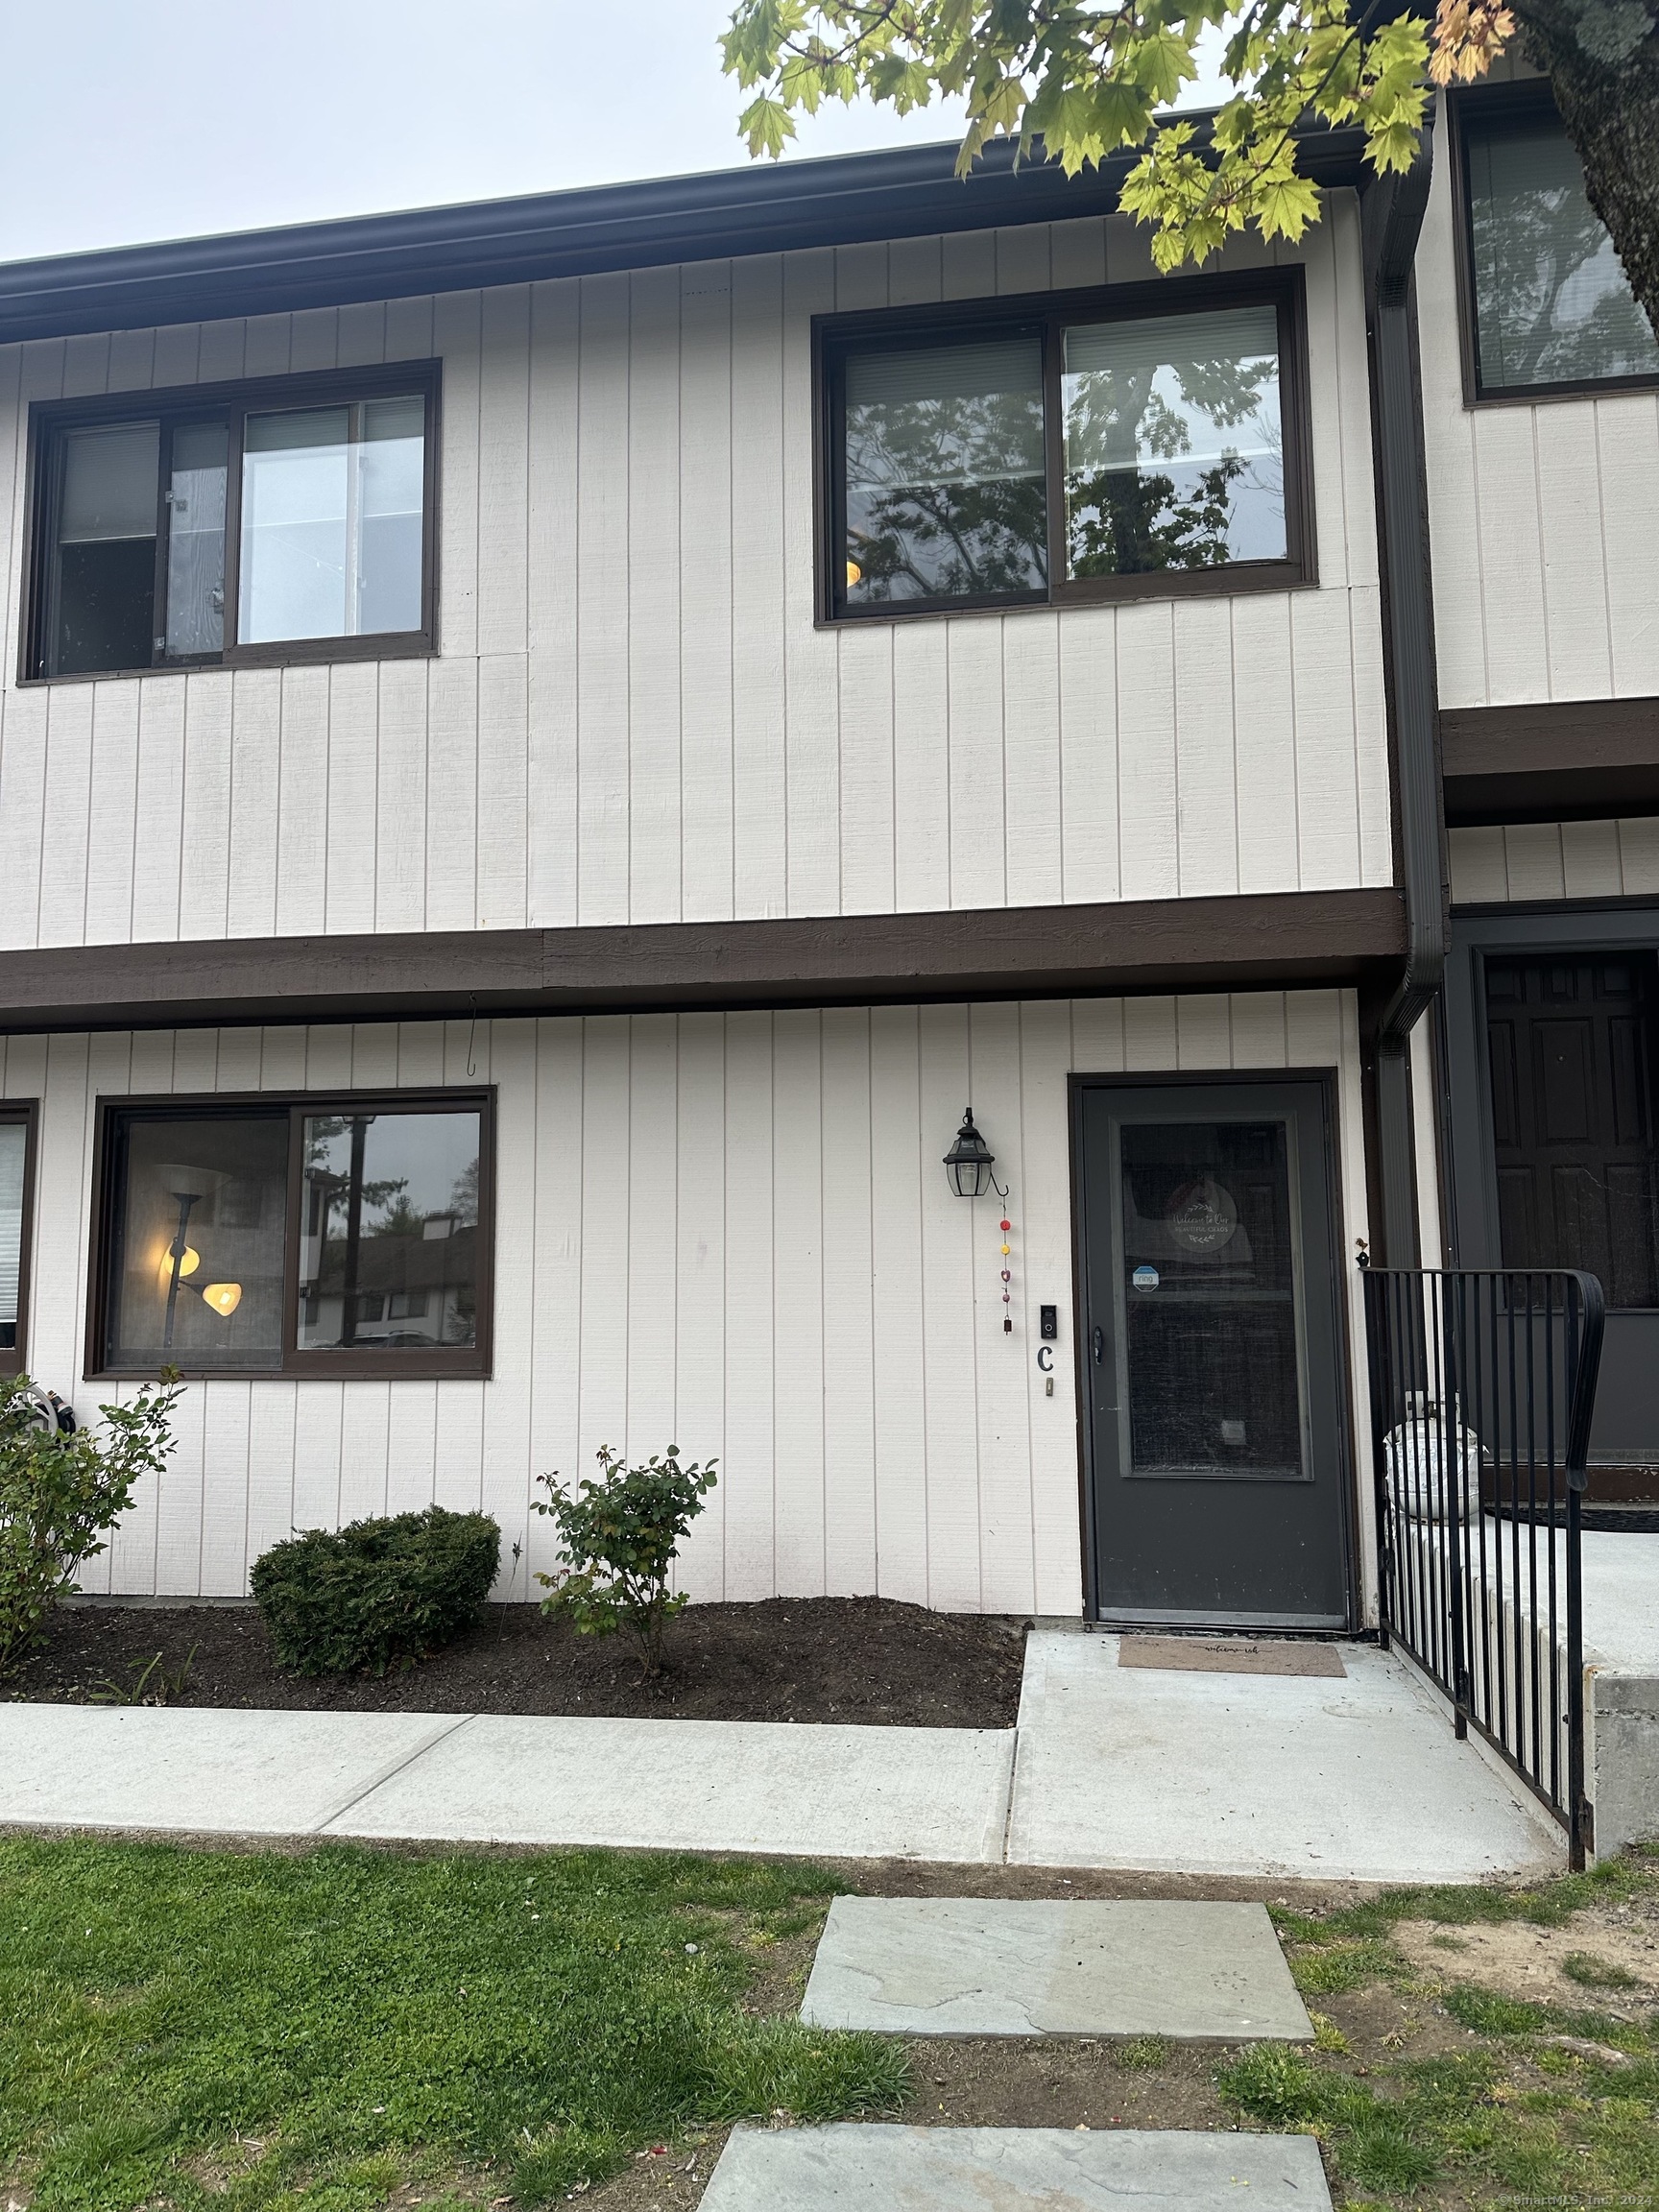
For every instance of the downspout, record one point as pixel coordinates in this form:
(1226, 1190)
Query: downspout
(1391, 221)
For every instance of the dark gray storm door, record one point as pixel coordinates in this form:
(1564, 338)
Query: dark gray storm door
(1215, 1439)
(1553, 1050)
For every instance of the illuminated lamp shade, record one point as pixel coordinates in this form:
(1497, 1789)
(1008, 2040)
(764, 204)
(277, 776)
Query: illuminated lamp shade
(189, 1263)
(222, 1297)
(855, 574)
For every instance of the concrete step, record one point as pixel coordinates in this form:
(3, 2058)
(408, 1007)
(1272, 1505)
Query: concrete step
(1005, 1967)
(885, 2168)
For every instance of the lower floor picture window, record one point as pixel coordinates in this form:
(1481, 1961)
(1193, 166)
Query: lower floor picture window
(300, 1237)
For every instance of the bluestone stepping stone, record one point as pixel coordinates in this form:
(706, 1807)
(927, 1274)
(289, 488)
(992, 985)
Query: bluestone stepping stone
(1002, 1967)
(883, 2169)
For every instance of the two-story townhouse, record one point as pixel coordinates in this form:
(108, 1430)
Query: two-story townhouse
(1540, 408)
(552, 750)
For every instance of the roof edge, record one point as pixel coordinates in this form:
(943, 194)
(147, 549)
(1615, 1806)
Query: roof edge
(716, 215)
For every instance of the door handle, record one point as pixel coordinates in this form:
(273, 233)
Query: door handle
(1100, 1346)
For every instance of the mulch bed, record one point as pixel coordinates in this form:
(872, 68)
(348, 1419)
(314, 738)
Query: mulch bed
(868, 1659)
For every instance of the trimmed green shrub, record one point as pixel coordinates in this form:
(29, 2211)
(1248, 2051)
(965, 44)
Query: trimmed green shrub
(379, 1594)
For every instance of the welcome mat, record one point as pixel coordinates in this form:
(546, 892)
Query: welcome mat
(1231, 1655)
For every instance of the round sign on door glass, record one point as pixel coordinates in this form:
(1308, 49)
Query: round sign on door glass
(1203, 1217)
(1144, 1278)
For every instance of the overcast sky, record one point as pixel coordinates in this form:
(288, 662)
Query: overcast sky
(163, 118)
(138, 119)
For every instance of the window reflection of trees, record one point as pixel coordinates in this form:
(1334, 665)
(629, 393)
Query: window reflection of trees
(373, 1247)
(1210, 507)
(1552, 305)
(946, 497)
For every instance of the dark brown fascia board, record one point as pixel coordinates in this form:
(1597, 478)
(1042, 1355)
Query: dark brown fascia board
(904, 192)
(1138, 947)
(1551, 760)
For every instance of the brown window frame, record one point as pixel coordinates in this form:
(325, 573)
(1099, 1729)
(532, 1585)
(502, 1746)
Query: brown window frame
(1048, 314)
(183, 405)
(1517, 107)
(14, 1359)
(407, 1364)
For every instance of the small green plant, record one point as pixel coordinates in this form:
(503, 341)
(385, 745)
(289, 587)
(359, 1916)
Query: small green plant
(1593, 1973)
(617, 1538)
(377, 1594)
(152, 1684)
(61, 1495)
(1143, 2053)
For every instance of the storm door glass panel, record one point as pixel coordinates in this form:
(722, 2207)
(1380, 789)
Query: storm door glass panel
(201, 1227)
(944, 490)
(13, 1140)
(196, 539)
(1209, 1289)
(388, 1232)
(104, 602)
(1552, 303)
(1174, 443)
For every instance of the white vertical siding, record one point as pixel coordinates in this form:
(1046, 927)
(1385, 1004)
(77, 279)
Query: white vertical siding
(632, 716)
(1545, 555)
(728, 1231)
(1555, 860)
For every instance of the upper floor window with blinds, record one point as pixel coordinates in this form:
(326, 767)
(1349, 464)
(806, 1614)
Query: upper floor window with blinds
(290, 521)
(1148, 441)
(1547, 302)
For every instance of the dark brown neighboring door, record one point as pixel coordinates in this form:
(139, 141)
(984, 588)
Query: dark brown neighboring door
(1571, 1044)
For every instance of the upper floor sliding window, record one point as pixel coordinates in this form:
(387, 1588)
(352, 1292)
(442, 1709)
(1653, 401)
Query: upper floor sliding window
(1546, 306)
(1142, 442)
(304, 1235)
(289, 520)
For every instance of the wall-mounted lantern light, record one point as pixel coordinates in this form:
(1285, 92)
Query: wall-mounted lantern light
(970, 1162)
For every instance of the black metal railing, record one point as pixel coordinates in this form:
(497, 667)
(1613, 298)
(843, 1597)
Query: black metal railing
(1482, 1385)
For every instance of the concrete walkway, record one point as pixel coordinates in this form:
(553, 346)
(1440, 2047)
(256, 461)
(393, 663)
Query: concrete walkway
(1360, 1779)
(1127, 1767)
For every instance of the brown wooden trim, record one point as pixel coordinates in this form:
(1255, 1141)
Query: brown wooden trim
(27, 1111)
(1517, 105)
(1551, 760)
(235, 401)
(1263, 940)
(406, 1366)
(1046, 313)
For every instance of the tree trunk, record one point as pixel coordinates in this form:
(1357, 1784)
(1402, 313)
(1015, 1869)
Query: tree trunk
(1602, 57)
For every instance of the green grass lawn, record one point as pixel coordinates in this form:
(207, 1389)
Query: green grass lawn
(183, 2029)
(1540, 2104)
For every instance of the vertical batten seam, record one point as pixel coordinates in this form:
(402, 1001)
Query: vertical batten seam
(1026, 1368)
(1471, 428)
(1294, 696)
(871, 1227)
(1602, 547)
(822, 1319)
(1543, 553)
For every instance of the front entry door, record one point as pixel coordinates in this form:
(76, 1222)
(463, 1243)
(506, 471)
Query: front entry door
(1212, 1354)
